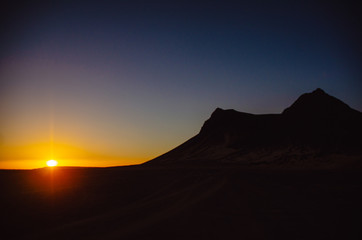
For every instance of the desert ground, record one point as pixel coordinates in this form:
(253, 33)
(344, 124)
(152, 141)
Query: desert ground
(180, 202)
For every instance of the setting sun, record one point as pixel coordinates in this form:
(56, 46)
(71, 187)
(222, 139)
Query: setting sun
(52, 163)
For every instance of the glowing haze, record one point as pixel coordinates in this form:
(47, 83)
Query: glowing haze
(121, 83)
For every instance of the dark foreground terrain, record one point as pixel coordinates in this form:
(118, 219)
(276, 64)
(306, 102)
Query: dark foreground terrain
(143, 202)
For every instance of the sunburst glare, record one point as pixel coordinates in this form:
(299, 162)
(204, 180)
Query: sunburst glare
(52, 163)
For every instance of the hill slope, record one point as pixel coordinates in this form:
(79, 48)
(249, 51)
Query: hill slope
(317, 130)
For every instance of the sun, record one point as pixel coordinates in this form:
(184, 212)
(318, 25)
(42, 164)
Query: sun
(52, 163)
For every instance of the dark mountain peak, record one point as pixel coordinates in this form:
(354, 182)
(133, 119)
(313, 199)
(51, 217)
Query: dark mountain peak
(317, 103)
(319, 91)
(221, 118)
(217, 111)
(225, 115)
(223, 112)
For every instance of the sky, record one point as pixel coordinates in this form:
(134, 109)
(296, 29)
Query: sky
(112, 83)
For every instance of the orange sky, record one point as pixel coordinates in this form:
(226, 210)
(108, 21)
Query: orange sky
(35, 156)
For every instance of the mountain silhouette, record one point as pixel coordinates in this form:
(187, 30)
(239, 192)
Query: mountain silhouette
(317, 130)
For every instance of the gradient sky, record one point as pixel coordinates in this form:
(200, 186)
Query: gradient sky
(121, 82)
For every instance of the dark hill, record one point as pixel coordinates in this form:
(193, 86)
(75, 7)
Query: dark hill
(317, 130)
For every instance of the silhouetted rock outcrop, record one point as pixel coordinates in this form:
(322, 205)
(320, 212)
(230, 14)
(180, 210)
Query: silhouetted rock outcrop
(317, 130)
